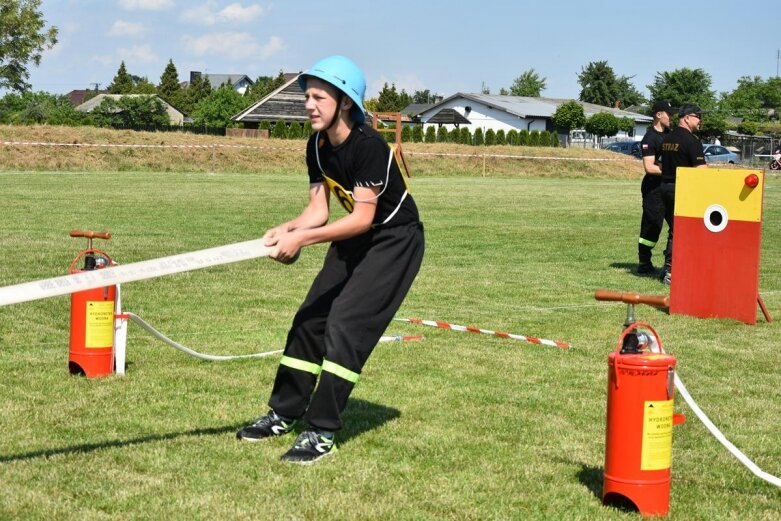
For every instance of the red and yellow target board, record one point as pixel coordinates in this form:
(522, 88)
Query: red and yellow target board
(716, 244)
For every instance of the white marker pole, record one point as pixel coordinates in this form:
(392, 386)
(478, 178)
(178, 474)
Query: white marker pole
(149, 269)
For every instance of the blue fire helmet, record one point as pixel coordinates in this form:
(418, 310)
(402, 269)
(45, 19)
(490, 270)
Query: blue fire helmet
(345, 76)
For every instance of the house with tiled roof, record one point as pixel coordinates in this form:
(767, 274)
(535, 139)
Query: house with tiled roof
(240, 82)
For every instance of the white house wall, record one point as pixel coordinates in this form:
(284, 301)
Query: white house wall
(481, 116)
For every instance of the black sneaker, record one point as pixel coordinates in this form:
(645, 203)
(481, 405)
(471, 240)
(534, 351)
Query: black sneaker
(646, 268)
(310, 446)
(266, 426)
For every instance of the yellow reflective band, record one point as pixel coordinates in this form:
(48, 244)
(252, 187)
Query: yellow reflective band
(301, 365)
(340, 371)
(646, 243)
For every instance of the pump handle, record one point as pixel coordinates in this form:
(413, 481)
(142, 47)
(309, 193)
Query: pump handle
(661, 301)
(89, 234)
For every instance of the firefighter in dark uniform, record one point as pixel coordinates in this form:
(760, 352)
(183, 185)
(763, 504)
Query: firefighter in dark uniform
(653, 207)
(375, 253)
(680, 148)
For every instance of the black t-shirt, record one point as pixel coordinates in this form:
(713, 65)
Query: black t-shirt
(363, 160)
(651, 146)
(680, 148)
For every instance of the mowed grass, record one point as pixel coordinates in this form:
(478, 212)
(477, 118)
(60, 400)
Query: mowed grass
(456, 426)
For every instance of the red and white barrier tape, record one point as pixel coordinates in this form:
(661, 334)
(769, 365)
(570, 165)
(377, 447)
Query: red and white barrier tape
(512, 156)
(250, 147)
(472, 329)
(131, 145)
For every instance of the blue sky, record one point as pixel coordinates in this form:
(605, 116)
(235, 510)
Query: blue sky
(444, 46)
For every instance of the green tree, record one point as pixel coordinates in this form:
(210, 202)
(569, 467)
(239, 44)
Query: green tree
(389, 99)
(626, 124)
(442, 135)
(422, 96)
(454, 136)
(713, 124)
(479, 140)
(294, 131)
(406, 134)
(512, 137)
(601, 86)
(554, 139)
(197, 90)
(501, 137)
(263, 86)
(490, 137)
(544, 140)
(602, 124)
(753, 98)
(122, 82)
(30, 108)
(569, 116)
(626, 93)
(280, 129)
(307, 129)
(465, 137)
(417, 134)
(528, 83)
(683, 86)
(216, 109)
(169, 88)
(143, 86)
(534, 138)
(22, 40)
(131, 111)
(523, 137)
(431, 134)
(598, 84)
(748, 128)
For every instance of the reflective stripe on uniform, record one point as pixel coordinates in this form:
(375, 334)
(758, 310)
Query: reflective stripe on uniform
(646, 242)
(301, 365)
(341, 372)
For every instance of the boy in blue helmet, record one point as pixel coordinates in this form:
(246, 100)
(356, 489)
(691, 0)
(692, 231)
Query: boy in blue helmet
(375, 253)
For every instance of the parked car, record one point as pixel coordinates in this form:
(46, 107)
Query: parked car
(631, 148)
(719, 154)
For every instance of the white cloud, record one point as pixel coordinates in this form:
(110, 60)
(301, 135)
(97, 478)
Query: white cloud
(122, 28)
(272, 47)
(232, 45)
(209, 14)
(103, 59)
(236, 13)
(146, 5)
(138, 54)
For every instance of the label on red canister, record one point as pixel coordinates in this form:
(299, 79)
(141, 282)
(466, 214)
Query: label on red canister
(657, 435)
(100, 324)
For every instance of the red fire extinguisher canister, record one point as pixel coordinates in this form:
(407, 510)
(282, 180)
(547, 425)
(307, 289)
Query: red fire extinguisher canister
(640, 419)
(92, 315)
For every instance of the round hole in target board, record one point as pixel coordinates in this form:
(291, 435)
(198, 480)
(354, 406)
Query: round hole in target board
(716, 218)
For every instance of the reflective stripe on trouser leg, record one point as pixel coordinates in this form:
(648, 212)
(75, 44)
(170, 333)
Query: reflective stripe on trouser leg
(342, 372)
(301, 365)
(645, 242)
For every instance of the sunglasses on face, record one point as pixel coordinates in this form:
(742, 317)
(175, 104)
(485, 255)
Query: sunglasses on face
(696, 116)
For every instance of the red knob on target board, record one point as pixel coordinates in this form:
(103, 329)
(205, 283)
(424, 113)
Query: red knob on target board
(752, 180)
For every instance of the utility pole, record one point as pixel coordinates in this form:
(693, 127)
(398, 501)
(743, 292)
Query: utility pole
(778, 57)
(97, 86)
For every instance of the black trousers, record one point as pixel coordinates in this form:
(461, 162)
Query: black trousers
(652, 219)
(352, 300)
(668, 197)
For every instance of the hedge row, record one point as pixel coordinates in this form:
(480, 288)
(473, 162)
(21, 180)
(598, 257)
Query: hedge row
(415, 134)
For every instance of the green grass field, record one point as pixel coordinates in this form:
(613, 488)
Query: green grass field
(457, 426)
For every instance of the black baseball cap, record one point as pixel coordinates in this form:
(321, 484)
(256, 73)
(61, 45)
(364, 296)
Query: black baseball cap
(662, 106)
(690, 108)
